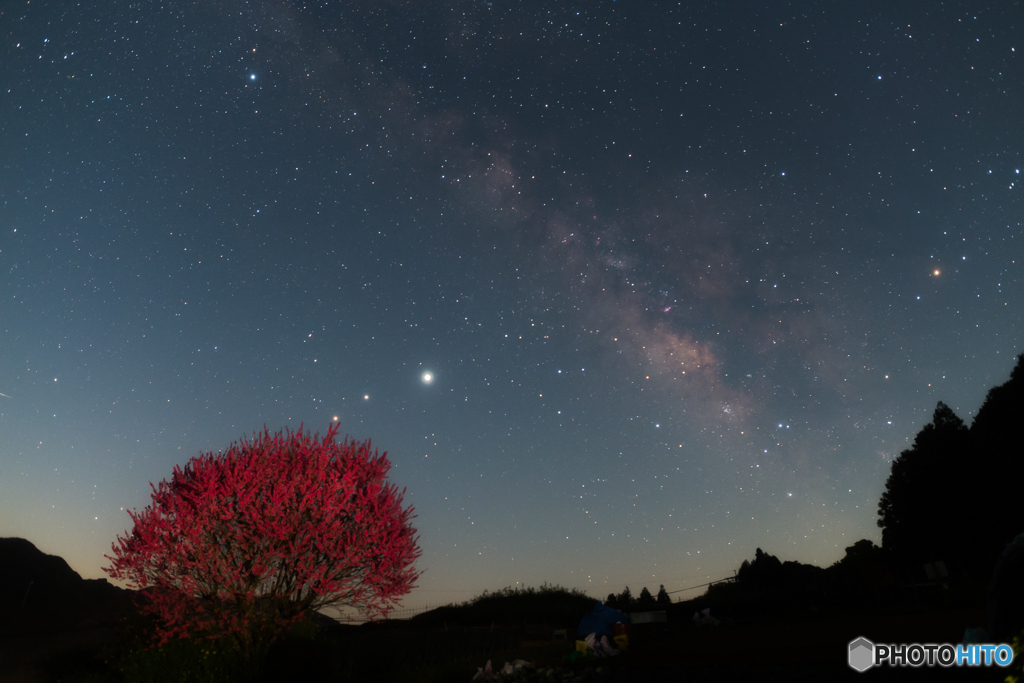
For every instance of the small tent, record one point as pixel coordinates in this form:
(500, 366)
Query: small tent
(601, 621)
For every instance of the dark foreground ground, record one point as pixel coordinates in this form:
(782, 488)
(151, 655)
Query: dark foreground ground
(757, 649)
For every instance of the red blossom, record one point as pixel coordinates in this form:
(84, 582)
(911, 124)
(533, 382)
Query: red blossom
(257, 536)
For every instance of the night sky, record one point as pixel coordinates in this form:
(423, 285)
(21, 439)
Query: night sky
(625, 289)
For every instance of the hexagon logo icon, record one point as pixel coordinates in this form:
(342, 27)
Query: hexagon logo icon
(862, 654)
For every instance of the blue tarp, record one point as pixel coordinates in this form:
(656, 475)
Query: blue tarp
(601, 621)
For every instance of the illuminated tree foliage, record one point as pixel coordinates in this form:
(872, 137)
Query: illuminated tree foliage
(243, 543)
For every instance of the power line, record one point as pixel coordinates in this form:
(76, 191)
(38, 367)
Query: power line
(701, 585)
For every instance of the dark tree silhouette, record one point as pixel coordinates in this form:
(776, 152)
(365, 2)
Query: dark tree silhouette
(646, 600)
(663, 597)
(625, 599)
(859, 554)
(863, 577)
(921, 502)
(769, 585)
(764, 570)
(998, 463)
(955, 494)
(611, 600)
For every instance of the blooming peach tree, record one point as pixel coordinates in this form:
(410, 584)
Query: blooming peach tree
(245, 542)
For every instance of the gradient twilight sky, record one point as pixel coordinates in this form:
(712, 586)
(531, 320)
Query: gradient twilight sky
(686, 276)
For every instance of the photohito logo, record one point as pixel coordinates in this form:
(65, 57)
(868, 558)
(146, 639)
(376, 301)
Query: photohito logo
(863, 654)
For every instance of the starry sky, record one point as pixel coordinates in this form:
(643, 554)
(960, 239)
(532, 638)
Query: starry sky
(685, 277)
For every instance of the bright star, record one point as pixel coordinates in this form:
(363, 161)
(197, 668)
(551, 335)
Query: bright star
(252, 77)
(428, 377)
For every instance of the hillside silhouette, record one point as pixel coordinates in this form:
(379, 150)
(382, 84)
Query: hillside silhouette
(40, 591)
(545, 605)
(52, 621)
